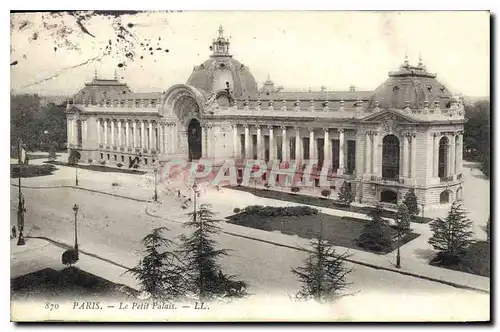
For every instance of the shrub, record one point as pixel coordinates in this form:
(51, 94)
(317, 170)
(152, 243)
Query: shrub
(69, 257)
(326, 192)
(345, 195)
(74, 156)
(410, 201)
(136, 166)
(274, 211)
(52, 155)
(90, 161)
(119, 164)
(237, 210)
(267, 186)
(102, 162)
(376, 235)
(115, 184)
(295, 189)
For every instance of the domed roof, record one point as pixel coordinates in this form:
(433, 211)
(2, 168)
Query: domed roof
(222, 70)
(410, 86)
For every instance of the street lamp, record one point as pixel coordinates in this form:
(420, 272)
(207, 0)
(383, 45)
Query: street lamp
(195, 187)
(155, 197)
(75, 208)
(21, 209)
(398, 255)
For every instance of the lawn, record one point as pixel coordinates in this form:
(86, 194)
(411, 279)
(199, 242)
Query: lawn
(476, 261)
(70, 282)
(99, 168)
(338, 231)
(319, 201)
(29, 171)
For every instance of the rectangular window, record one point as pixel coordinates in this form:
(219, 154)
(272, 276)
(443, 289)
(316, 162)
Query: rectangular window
(242, 145)
(335, 153)
(102, 155)
(145, 161)
(123, 159)
(305, 144)
(351, 156)
(320, 150)
(292, 149)
(266, 148)
(115, 157)
(108, 156)
(254, 146)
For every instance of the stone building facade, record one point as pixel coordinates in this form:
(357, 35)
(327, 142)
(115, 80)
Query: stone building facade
(408, 133)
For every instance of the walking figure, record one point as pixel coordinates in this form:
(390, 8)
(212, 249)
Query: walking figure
(14, 232)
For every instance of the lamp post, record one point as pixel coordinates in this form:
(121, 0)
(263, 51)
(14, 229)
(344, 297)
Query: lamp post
(75, 208)
(21, 209)
(398, 255)
(76, 174)
(155, 197)
(195, 187)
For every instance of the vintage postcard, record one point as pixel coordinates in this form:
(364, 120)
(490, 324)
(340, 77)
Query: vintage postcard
(270, 166)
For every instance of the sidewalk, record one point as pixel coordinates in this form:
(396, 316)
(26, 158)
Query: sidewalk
(38, 254)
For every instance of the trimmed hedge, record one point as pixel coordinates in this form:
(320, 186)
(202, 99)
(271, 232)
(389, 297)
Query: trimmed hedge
(273, 211)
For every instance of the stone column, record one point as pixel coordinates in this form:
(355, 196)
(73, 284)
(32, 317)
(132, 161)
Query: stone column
(247, 143)
(105, 123)
(112, 132)
(204, 141)
(134, 136)
(159, 127)
(435, 164)
(298, 144)
(413, 162)
(406, 137)
(259, 143)
(326, 148)
(236, 151)
(98, 132)
(452, 154)
(284, 145)
(311, 143)
(272, 148)
(174, 137)
(150, 136)
(341, 151)
(459, 152)
(368, 154)
(127, 138)
(376, 155)
(119, 124)
(142, 136)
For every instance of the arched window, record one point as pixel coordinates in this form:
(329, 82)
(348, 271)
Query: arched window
(443, 157)
(444, 197)
(390, 157)
(389, 196)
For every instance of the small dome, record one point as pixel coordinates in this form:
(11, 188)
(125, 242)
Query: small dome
(410, 86)
(221, 71)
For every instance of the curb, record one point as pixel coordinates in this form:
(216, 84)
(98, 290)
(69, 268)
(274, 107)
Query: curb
(411, 274)
(87, 189)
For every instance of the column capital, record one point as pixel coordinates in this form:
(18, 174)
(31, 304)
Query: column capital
(311, 129)
(326, 129)
(435, 134)
(297, 128)
(283, 127)
(270, 127)
(246, 126)
(257, 126)
(340, 130)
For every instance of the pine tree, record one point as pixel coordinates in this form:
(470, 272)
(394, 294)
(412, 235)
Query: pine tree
(376, 233)
(202, 270)
(411, 203)
(160, 271)
(451, 236)
(403, 218)
(345, 195)
(324, 274)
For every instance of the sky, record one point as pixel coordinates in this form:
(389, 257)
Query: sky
(299, 50)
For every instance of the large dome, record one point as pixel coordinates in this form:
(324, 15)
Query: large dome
(222, 70)
(410, 86)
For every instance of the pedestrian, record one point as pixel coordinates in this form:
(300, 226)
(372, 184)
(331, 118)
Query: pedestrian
(14, 232)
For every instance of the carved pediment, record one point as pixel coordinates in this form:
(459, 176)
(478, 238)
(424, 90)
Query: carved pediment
(388, 118)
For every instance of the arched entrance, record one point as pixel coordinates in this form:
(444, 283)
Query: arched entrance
(390, 157)
(443, 157)
(444, 197)
(194, 140)
(389, 196)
